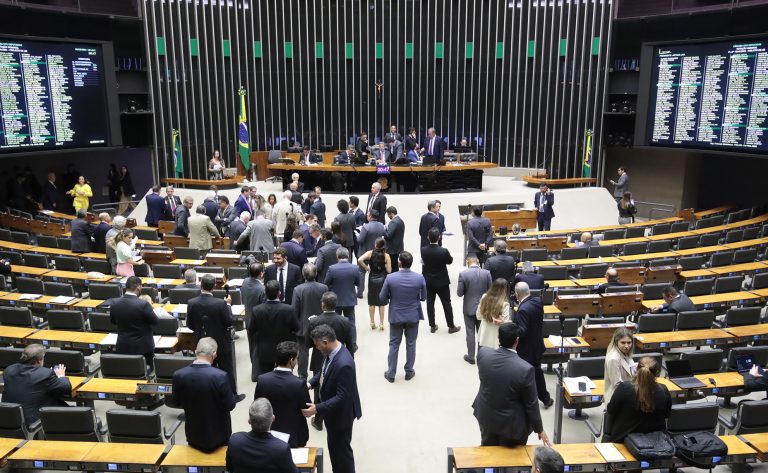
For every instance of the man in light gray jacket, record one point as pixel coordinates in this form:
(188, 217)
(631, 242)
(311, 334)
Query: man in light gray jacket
(259, 230)
(473, 283)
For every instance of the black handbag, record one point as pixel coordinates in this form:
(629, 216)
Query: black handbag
(651, 446)
(700, 449)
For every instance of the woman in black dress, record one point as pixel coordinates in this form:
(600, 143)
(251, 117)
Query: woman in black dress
(377, 264)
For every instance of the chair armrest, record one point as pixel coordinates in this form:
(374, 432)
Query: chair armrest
(724, 420)
(164, 300)
(594, 430)
(170, 433)
(102, 429)
(34, 428)
(92, 368)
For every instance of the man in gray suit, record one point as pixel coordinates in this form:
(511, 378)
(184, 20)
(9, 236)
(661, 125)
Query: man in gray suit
(326, 254)
(622, 185)
(306, 303)
(81, 233)
(479, 234)
(343, 278)
(394, 236)
(506, 406)
(259, 231)
(369, 233)
(252, 292)
(473, 283)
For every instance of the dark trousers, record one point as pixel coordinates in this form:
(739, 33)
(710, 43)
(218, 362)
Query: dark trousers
(471, 327)
(541, 385)
(254, 358)
(303, 360)
(224, 362)
(544, 223)
(492, 439)
(393, 258)
(444, 292)
(349, 313)
(340, 450)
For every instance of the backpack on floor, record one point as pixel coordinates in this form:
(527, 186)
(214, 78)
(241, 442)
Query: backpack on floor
(700, 449)
(651, 446)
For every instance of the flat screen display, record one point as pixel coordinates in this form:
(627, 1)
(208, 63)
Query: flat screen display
(709, 95)
(52, 95)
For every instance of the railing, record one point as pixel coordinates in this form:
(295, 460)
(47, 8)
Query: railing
(111, 207)
(126, 8)
(642, 8)
(658, 207)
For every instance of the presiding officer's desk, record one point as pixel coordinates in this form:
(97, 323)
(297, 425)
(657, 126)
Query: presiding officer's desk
(185, 459)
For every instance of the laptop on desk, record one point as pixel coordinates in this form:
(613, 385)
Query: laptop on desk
(744, 363)
(681, 373)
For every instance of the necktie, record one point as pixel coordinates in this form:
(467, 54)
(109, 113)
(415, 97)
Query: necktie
(325, 368)
(370, 204)
(281, 281)
(173, 205)
(431, 145)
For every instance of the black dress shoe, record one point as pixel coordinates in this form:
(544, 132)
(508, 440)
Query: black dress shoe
(549, 403)
(317, 425)
(454, 329)
(239, 397)
(409, 376)
(391, 380)
(469, 360)
(433, 329)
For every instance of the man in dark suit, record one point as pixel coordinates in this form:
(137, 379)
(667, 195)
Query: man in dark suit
(242, 204)
(356, 211)
(259, 450)
(272, 322)
(435, 260)
(534, 280)
(181, 217)
(287, 393)
(500, 264)
(340, 401)
(543, 201)
(392, 135)
(428, 221)
(394, 234)
(51, 193)
(100, 233)
(253, 294)
(505, 406)
(611, 280)
(343, 278)
(236, 228)
(341, 328)
(295, 251)
(317, 207)
(33, 386)
(474, 282)
(306, 303)
(347, 224)
(155, 207)
(326, 254)
(308, 157)
(205, 394)
(362, 147)
(170, 204)
(134, 319)
(479, 235)
(529, 318)
(211, 205)
(81, 233)
(434, 147)
(286, 274)
(209, 316)
(376, 200)
(674, 302)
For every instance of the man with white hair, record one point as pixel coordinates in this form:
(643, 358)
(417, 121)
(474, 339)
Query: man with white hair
(259, 450)
(259, 233)
(377, 201)
(282, 209)
(117, 225)
(100, 233)
(299, 184)
(211, 205)
(237, 227)
(529, 318)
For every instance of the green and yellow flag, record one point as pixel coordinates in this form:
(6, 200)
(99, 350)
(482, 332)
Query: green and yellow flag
(586, 169)
(242, 133)
(178, 163)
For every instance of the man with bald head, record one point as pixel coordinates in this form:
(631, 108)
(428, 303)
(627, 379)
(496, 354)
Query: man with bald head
(100, 233)
(376, 201)
(529, 318)
(611, 280)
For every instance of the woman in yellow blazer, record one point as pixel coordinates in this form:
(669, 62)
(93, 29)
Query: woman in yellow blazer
(81, 192)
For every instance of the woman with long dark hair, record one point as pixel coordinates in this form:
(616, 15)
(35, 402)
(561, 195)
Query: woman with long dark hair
(377, 264)
(216, 166)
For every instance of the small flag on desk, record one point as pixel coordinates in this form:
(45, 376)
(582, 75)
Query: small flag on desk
(242, 133)
(586, 169)
(178, 163)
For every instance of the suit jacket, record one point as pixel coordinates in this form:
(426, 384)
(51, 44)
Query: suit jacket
(506, 403)
(223, 219)
(81, 232)
(360, 217)
(201, 232)
(51, 196)
(681, 304)
(473, 283)
(241, 205)
(341, 327)
(234, 230)
(306, 303)
(428, 220)
(393, 235)
(368, 235)
(438, 149)
(602, 287)
(297, 254)
(751, 383)
(622, 186)
(318, 209)
(326, 257)
(252, 293)
(478, 233)
(379, 203)
(549, 202)
(182, 218)
(404, 290)
(207, 398)
(259, 233)
(34, 387)
(100, 237)
(272, 322)
(134, 319)
(343, 279)
(534, 280)
(530, 318)
(385, 153)
(435, 261)
(627, 416)
(292, 277)
(340, 404)
(167, 210)
(501, 266)
(216, 326)
(288, 395)
(155, 209)
(617, 369)
(259, 451)
(347, 222)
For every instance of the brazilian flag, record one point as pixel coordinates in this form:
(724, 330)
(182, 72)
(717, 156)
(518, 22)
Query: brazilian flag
(178, 163)
(586, 169)
(242, 133)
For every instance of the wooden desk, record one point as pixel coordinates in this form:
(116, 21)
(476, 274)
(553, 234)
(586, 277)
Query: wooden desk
(740, 268)
(762, 293)
(511, 459)
(597, 394)
(550, 310)
(75, 277)
(93, 255)
(649, 256)
(696, 273)
(599, 335)
(747, 243)
(28, 270)
(52, 251)
(222, 259)
(700, 251)
(123, 457)
(526, 218)
(555, 283)
(576, 456)
(58, 338)
(717, 210)
(108, 389)
(713, 301)
(582, 261)
(188, 262)
(728, 383)
(42, 302)
(749, 333)
(622, 241)
(682, 338)
(181, 457)
(572, 347)
(9, 245)
(7, 446)
(51, 455)
(14, 335)
(589, 282)
(670, 236)
(759, 442)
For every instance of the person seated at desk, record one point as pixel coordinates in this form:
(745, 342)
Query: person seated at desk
(619, 366)
(308, 157)
(547, 460)
(362, 147)
(534, 280)
(611, 280)
(33, 386)
(381, 153)
(347, 156)
(159, 311)
(642, 405)
(413, 156)
(674, 302)
(754, 380)
(586, 240)
(258, 450)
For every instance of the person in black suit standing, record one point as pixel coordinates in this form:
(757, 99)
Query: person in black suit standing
(354, 209)
(288, 395)
(544, 200)
(505, 406)
(81, 232)
(529, 318)
(339, 399)
(253, 294)
(209, 316)
(181, 217)
(272, 322)
(428, 221)
(100, 233)
(155, 207)
(51, 193)
(346, 221)
(434, 147)
(170, 204)
(259, 450)
(394, 235)
(435, 261)
(286, 274)
(134, 319)
(376, 200)
(206, 395)
(326, 254)
(479, 235)
(33, 386)
(306, 303)
(501, 265)
(295, 251)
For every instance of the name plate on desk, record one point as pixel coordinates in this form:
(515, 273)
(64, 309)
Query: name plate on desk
(382, 169)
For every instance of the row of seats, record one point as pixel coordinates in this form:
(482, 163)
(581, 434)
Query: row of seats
(697, 319)
(75, 320)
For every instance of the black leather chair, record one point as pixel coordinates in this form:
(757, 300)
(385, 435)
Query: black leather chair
(165, 366)
(167, 271)
(534, 254)
(721, 259)
(662, 262)
(649, 323)
(67, 263)
(659, 246)
(144, 234)
(12, 257)
(690, 263)
(750, 418)
(47, 241)
(704, 361)
(58, 289)
(653, 291)
(27, 285)
(186, 253)
(123, 366)
(104, 291)
(589, 271)
(166, 327)
(635, 232)
(100, 322)
(21, 237)
(744, 255)
(64, 243)
(182, 295)
(97, 265)
(617, 234)
(35, 260)
(698, 287)
(728, 284)
(661, 229)
(693, 417)
(604, 251)
(750, 233)
(72, 424)
(66, 320)
(237, 272)
(709, 239)
(573, 253)
(733, 236)
(554, 272)
(686, 243)
(737, 316)
(5, 235)
(695, 319)
(593, 368)
(9, 356)
(760, 281)
(75, 361)
(12, 424)
(20, 317)
(635, 249)
(130, 426)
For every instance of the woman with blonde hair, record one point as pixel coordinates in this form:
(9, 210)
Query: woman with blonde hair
(641, 405)
(81, 193)
(492, 311)
(627, 209)
(618, 361)
(124, 253)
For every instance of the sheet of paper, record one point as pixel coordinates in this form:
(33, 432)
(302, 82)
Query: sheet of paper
(609, 452)
(573, 385)
(235, 282)
(61, 299)
(180, 309)
(110, 339)
(238, 309)
(300, 455)
(157, 339)
(165, 282)
(555, 341)
(166, 342)
(280, 435)
(29, 297)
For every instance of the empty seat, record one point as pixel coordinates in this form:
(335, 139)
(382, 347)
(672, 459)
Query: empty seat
(166, 327)
(58, 289)
(100, 322)
(709, 239)
(47, 241)
(751, 233)
(67, 263)
(27, 285)
(732, 236)
(662, 262)
(534, 254)
(686, 243)
(594, 368)
(12, 257)
(66, 320)
(661, 228)
(104, 291)
(237, 272)
(573, 253)
(615, 289)
(131, 426)
(74, 361)
(648, 323)
(614, 234)
(182, 295)
(659, 246)
(635, 232)
(721, 259)
(699, 287)
(738, 316)
(653, 291)
(694, 417)
(704, 361)
(10, 356)
(166, 365)
(123, 366)
(750, 418)
(573, 291)
(12, 423)
(552, 327)
(97, 265)
(35, 260)
(744, 255)
(604, 251)
(695, 319)
(5, 235)
(167, 271)
(18, 317)
(760, 281)
(690, 263)
(73, 424)
(21, 237)
(186, 253)
(635, 249)
(728, 284)
(553, 272)
(602, 320)
(146, 234)
(678, 227)
(589, 271)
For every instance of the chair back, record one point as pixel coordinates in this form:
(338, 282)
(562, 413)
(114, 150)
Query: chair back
(653, 291)
(721, 259)
(686, 243)
(744, 255)
(100, 322)
(27, 285)
(5, 235)
(58, 289)
(21, 237)
(123, 366)
(698, 287)
(686, 418)
(97, 265)
(753, 417)
(690, 263)
(73, 424)
(64, 243)
(182, 295)
(649, 323)
(16, 316)
(709, 239)
(166, 365)
(635, 232)
(552, 327)
(592, 367)
(534, 254)
(659, 246)
(12, 424)
(67, 263)
(144, 234)
(737, 316)
(602, 320)
(617, 234)
(47, 241)
(635, 248)
(73, 360)
(662, 262)
(131, 426)
(605, 251)
(589, 271)
(104, 291)
(695, 319)
(661, 229)
(573, 253)
(12, 257)
(759, 356)
(658, 357)
(167, 271)
(704, 361)
(728, 284)
(35, 260)
(237, 298)
(166, 327)
(237, 272)
(750, 233)
(554, 272)
(732, 236)
(66, 320)
(9, 356)
(186, 253)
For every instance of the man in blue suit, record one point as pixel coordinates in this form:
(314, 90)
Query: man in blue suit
(529, 319)
(340, 400)
(343, 279)
(259, 450)
(434, 147)
(207, 397)
(242, 204)
(404, 290)
(296, 253)
(155, 207)
(544, 200)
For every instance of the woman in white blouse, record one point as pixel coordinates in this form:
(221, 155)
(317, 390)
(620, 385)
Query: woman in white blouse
(124, 253)
(493, 311)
